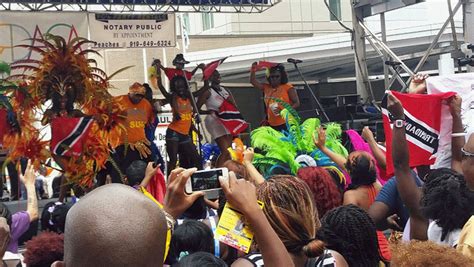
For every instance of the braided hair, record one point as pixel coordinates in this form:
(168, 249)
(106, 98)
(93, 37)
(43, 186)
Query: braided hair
(350, 231)
(290, 210)
(447, 200)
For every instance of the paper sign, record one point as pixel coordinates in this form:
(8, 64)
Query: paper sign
(232, 229)
(123, 33)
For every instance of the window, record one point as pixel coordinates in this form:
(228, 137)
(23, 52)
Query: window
(186, 23)
(207, 21)
(335, 6)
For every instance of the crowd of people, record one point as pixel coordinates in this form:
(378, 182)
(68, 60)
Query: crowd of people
(345, 212)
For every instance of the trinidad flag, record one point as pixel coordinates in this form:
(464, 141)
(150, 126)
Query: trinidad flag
(68, 135)
(231, 118)
(171, 73)
(211, 67)
(422, 127)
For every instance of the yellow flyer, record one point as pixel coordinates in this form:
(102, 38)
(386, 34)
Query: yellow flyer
(232, 229)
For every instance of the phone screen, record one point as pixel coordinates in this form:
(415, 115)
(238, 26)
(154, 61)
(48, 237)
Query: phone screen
(206, 180)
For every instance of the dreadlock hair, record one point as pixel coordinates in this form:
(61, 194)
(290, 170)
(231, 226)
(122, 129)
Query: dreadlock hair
(325, 192)
(350, 231)
(447, 200)
(281, 69)
(289, 207)
(361, 168)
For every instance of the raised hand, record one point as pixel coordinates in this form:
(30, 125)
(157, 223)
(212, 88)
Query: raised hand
(320, 141)
(455, 103)
(367, 134)
(395, 107)
(176, 200)
(249, 154)
(418, 84)
(240, 193)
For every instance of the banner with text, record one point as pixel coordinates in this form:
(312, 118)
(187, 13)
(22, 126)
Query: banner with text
(141, 33)
(20, 28)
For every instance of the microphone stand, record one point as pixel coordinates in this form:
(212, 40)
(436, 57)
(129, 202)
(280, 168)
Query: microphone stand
(321, 109)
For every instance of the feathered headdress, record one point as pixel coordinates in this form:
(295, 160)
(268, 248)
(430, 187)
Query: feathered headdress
(63, 69)
(282, 150)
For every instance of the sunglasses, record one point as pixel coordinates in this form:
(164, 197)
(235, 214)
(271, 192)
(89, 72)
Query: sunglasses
(466, 154)
(274, 76)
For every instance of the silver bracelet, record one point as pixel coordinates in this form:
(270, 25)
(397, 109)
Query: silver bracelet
(458, 134)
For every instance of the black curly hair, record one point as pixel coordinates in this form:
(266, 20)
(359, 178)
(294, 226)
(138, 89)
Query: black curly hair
(350, 231)
(283, 75)
(447, 200)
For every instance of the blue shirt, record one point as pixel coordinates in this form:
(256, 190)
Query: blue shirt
(389, 196)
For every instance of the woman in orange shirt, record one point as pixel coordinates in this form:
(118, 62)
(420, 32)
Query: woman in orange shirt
(277, 87)
(178, 138)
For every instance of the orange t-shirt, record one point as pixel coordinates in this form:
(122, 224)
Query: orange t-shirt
(281, 92)
(185, 111)
(138, 115)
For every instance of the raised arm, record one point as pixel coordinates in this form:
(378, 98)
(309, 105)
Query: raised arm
(149, 173)
(202, 89)
(253, 77)
(28, 179)
(418, 84)
(407, 188)
(254, 175)
(294, 99)
(379, 154)
(458, 136)
(241, 194)
(157, 64)
(201, 100)
(320, 143)
(200, 66)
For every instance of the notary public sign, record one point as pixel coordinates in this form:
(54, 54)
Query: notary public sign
(110, 32)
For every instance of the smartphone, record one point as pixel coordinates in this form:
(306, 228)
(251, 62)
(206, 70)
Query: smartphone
(207, 181)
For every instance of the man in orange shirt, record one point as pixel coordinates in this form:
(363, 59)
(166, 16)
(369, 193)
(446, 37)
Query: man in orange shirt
(134, 144)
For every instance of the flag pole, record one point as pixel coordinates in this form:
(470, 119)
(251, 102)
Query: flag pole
(197, 119)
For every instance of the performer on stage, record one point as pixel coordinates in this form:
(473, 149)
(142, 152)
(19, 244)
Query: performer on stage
(84, 118)
(178, 137)
(277, 87)
(215, 97)
(179, 63)
(134, 144)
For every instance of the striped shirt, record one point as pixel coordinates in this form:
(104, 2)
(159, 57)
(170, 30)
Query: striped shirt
(325, 260)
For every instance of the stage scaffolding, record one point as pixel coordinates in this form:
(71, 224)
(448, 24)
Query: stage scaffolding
(140, 6)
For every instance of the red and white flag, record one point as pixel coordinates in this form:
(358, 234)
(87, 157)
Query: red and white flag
(68, 135)
(265, 65)
(211, 67)
(423, 122)
(171, 73)
(231, 118)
